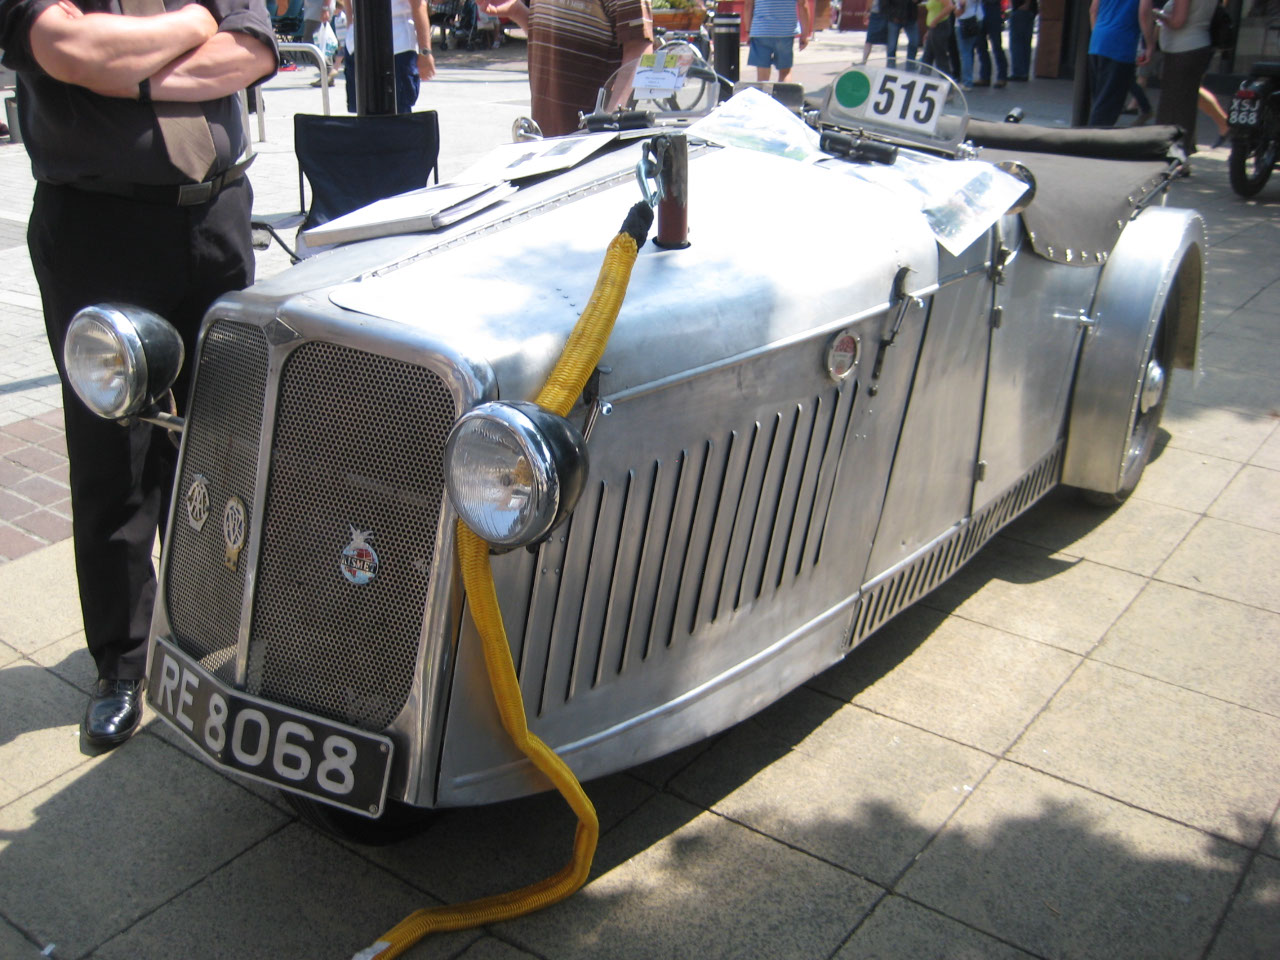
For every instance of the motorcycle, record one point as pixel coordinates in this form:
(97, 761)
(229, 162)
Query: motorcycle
(1255, 129)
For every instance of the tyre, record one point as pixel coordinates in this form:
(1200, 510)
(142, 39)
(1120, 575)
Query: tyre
(1249, 165)
(398, 822)
(1153, 393)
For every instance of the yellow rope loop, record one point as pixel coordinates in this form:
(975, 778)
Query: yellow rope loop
(586, 343)
(581, 354)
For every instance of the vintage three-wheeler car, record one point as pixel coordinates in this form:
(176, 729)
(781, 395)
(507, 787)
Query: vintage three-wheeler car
(865, 335)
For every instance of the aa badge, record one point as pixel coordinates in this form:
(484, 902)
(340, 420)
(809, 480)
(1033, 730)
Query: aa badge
(197, 502)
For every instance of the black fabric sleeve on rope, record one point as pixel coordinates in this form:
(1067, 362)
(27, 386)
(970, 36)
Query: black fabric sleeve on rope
(638, 222)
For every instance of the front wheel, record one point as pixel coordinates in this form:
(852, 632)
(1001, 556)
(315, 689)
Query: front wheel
(1250, 165)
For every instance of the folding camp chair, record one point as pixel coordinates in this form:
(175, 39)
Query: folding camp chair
(350, 162)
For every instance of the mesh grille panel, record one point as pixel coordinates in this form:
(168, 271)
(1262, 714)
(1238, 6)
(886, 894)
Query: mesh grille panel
(358, 447)
(204, 598)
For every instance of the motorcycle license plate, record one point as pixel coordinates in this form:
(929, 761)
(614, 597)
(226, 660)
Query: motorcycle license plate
(1243, 113)
(286, 748)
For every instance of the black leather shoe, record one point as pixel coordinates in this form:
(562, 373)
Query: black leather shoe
(114, 712)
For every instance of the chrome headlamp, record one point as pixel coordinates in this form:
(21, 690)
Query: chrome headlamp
(120, 359)
(513, 471)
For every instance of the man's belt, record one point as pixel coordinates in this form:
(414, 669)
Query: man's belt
(177, 195)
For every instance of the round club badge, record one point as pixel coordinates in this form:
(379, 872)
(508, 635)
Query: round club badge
(358, 563)
(235, 527)
(842, 355)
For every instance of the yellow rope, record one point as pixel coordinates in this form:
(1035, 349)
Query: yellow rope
(581, 354)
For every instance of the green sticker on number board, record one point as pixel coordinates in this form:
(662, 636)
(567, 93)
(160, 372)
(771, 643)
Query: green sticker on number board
(852, 89)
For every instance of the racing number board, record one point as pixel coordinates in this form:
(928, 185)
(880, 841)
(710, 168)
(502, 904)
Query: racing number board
(286, 748)
(897, 98)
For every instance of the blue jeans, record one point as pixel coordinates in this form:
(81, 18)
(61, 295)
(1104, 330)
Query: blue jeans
(913, 39)
(993, 31)
(408, 83)
(967, 46)
(1021, 23)
(1109, 83)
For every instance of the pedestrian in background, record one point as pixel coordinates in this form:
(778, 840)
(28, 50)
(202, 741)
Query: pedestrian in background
(1113, 55)
(993, 34)
(968, 32)
(411, 41)
(120, 108)
(877, 30)
(1186, 48)
(1022, 22)
(771, 26)
(901, 17)
(937, 41)
(574, 47)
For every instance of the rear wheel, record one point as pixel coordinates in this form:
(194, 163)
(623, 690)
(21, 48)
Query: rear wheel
(1250, 165)
(399, 821)
(1153, 392)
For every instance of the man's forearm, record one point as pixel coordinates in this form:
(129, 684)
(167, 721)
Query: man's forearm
(225, 64)
(107, 51)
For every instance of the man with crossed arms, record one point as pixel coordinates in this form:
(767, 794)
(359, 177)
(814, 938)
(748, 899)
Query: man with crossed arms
(126, 209)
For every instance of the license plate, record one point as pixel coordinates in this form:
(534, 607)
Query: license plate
(286, 748)
(1243, 112)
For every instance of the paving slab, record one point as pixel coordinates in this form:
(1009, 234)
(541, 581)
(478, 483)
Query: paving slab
(496, 842)
(1230, 390)
(14, 946)
(688, 883)
(1228, 434)
(964, 681)
(491, 948)
(295, 894)
(1181, 754)
(69, 659)
(901, 930)
(1230, 561)
(1186, 479)
(1268, 455)
(862, 791)
(39, 599)
(7, 654)
(1063, 872)
(1137, 539)
(1054, 597)
(170, 828)
(39, 729)
(1252, 928)
(1217, 647)
(1251, 499)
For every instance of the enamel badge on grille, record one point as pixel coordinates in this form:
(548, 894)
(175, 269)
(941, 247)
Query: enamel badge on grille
(235, 526)
(359, 564)
(197, 501)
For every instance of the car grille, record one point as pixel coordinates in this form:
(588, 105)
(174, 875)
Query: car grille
(203, 598)
(356, 453)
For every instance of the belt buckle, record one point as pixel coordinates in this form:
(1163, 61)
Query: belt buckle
(189, 194)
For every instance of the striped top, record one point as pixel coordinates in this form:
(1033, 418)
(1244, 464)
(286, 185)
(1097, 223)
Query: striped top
(574, 47)
(774, 18)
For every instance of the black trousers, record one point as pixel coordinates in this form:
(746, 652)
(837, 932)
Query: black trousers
(88, 248)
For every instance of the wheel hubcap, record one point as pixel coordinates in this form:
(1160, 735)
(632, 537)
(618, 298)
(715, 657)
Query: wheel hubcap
(1152, 385)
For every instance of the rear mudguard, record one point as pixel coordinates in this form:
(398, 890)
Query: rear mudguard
(1157, 268)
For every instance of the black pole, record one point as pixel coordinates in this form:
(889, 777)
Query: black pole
(375, 59)
(1081, 95)
(725, 36)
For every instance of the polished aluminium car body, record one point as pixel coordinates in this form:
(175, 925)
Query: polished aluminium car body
(805, 420)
